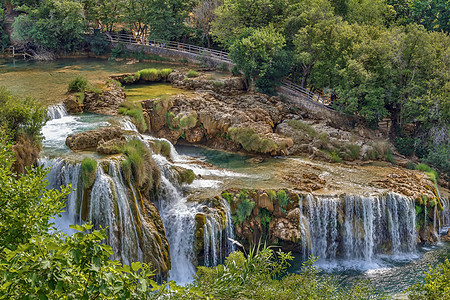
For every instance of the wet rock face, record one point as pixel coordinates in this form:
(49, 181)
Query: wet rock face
(94, 138)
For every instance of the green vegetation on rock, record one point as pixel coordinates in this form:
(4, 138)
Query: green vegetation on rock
(88, 171)
(78, 84)
(251, 141)
(134, 110)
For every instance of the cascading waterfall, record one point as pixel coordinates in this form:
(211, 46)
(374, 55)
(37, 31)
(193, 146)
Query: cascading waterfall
(110, 205)
(56, 111)
(358, 227)
(444, 220)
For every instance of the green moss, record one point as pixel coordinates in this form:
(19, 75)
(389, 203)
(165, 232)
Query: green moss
(334, 155)
(302, 126)
(227, 196)
(188, 121)
(283, 198)
(78, 84)
(251, 141)
(192, 74)
(134, 110)
(88, 172)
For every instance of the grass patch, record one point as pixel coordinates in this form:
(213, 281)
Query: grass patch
(432, 174)
(161, 147)
(378, 151)
(192, 74)
(78, 84)
(140, 164)
(334, 155)
(354, 151)
(134, 110)
(227, 196)
(251, 141)
(152, 74)
(88, 172)
(302, 126)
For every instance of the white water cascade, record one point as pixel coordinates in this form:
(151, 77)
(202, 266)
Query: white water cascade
(110, 205)
(356, 227)
(56, 111)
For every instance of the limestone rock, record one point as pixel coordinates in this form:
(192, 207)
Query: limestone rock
(265, 202)
(72, 105)
(107, 102)
(90, 139)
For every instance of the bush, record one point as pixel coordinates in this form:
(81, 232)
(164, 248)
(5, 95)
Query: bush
(222, 67)
(227, 196)
(272, 195)
(438, 157)
(79, 84)
(161, 147)
(354, 151)
(244, 208)
(405, 145)
(134, 110)
(192, 74)
(379, 150)
(436, 284)
(88, 172)
(302, 126)
(251, 141)
(283, 198)
(235, 71)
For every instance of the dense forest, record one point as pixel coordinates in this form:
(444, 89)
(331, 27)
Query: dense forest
(374, 59)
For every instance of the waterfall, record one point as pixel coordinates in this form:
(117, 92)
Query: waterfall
(178, 217)
(110, 205)
(56, 111)
(357, 227)
(229, 229)
(444, 220)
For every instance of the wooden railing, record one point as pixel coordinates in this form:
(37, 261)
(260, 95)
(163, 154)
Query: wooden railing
(296, 89)
(171, 45)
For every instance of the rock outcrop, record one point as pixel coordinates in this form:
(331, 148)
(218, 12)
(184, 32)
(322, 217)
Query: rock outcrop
(92, 139)
(106, 102)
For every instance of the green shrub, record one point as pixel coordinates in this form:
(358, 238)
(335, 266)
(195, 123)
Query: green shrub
(227, 196)
(378, 151)
(235, 71)
(438, 157)
(192, 74)
(251, 141)
(149, 75)
(88, 172)
(218, 84)
(436, 284)
(222, 67)
(134, 110)
(410, 165)
(334, 155)
(79, 84)
(265, 216)
(272, 195)
(283, 198)
(165, 72)
(405, 145)
(390, 156)
(188, 121)
(354, 151)
(302, 126)
(244, 208)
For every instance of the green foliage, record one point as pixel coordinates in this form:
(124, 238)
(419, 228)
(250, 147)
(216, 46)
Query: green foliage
(223, 67)
(302, 126)
(227, 196)
(88, 171)
(354, 151)
(161, 147)
(378, 151)
(434, 15)
(261, 57)
(138, 157)
(251, 141)
(436, 284)
(334, 155)
(405, 145)
(99, 45)
(272, 195)
(20, 116)
(265, 216)
(152, 75)
(432, 174)
(134, 110)
(244, 207)
(191, 74)
(262, 275)
(410, 165)
(26, 205)
(55, 25)
(78, 84)
(438, 157)
(283, 198)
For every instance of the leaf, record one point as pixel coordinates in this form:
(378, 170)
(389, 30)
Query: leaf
(136, 266)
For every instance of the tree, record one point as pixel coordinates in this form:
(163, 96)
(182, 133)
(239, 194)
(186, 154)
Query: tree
(54, 25)
(436, 284)
(260, 56)
(202, 16)
(433, 14)
(371, 12)
(235, 17)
